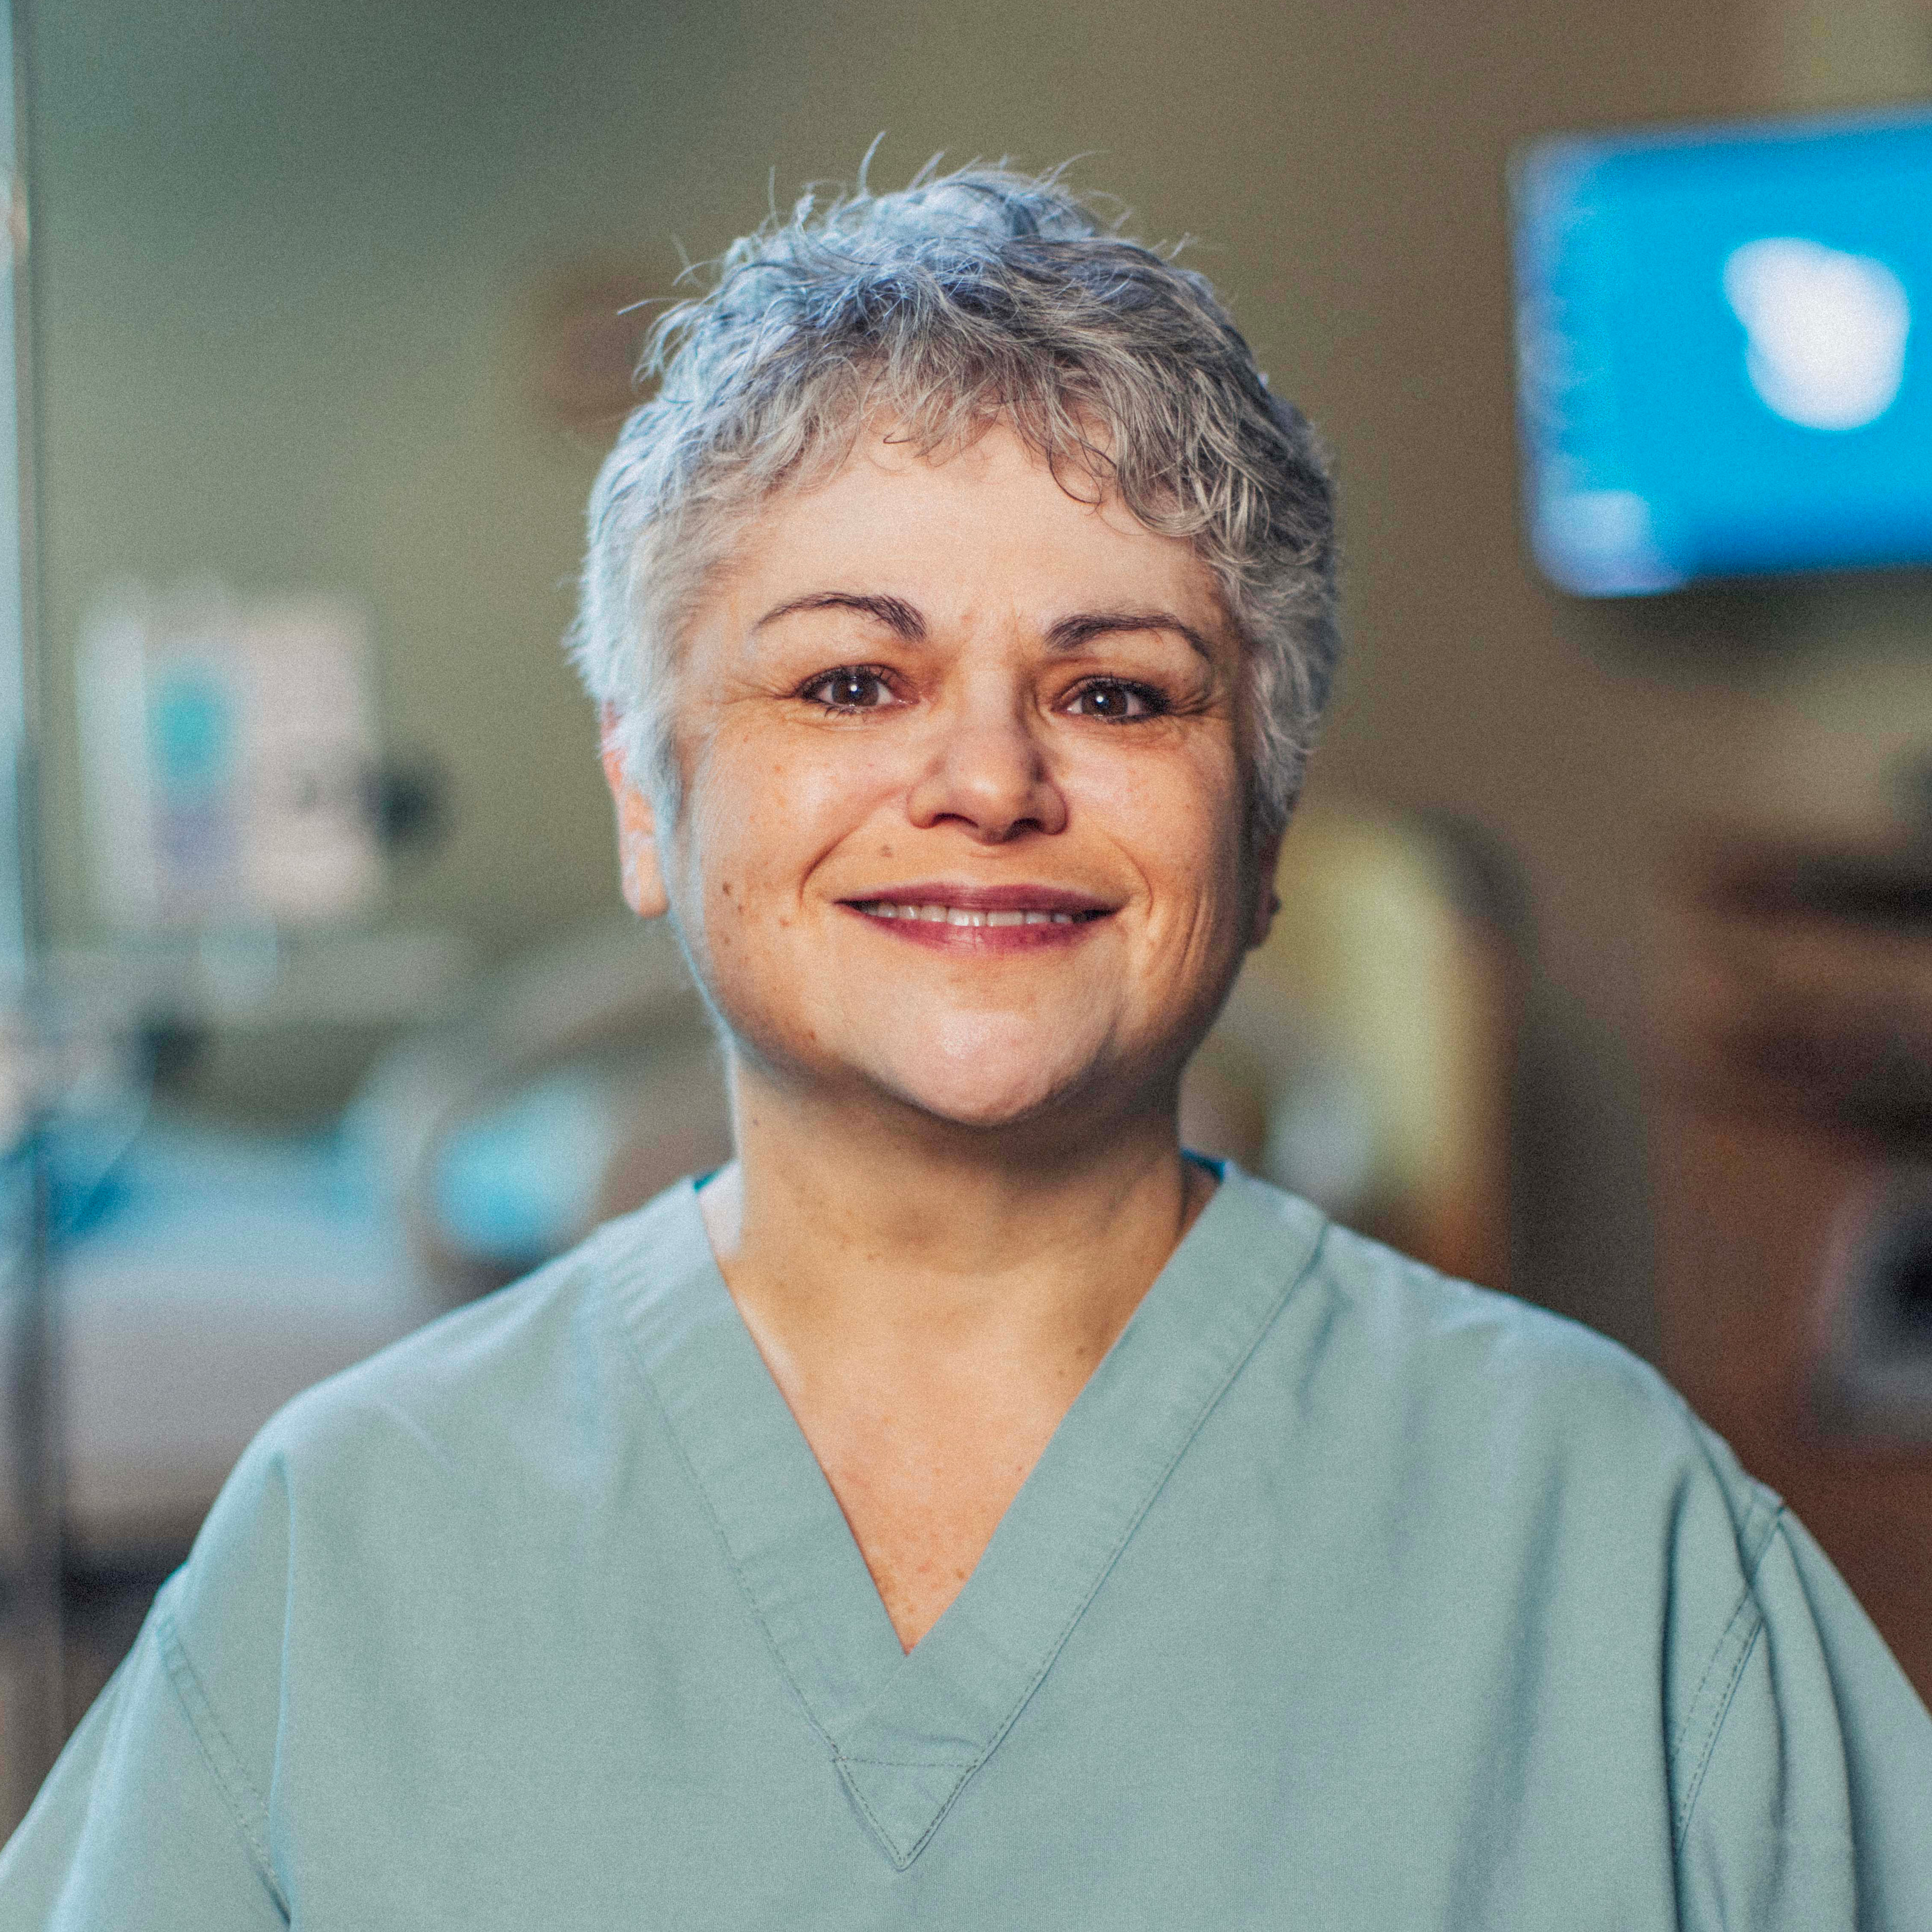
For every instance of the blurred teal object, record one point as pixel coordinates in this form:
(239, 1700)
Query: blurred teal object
(515, 1183)
(192, 727)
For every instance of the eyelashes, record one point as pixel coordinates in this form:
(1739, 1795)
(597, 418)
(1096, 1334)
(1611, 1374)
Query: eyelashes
(852, 689)
(1119, 700)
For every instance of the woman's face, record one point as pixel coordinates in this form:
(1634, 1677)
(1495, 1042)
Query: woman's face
(963, 816)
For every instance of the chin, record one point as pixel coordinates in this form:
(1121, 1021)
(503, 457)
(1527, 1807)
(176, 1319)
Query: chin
(984, 1083)
(983, 1106)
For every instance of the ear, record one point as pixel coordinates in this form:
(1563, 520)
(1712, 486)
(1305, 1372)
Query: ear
(1268, 902)
(637, 825)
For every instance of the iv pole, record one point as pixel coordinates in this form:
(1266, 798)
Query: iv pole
(35, 1718)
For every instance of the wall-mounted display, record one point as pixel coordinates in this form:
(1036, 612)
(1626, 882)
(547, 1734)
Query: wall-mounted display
(1722, 354)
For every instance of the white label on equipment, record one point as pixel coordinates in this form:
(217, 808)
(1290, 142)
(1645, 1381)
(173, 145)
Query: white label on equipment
(229, 747)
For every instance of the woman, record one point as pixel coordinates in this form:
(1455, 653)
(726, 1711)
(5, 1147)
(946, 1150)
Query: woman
(965, 1509)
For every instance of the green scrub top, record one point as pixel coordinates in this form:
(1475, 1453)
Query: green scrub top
(1345, 1596)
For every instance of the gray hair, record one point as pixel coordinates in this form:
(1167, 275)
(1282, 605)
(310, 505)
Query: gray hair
(965, 297)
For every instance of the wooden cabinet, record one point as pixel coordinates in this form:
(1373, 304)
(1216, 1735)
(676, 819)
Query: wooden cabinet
(1792, 1144)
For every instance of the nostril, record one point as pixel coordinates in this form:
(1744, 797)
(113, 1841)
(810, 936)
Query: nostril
(985, 781)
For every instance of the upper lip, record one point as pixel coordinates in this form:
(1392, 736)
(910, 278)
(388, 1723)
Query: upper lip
(982, 898)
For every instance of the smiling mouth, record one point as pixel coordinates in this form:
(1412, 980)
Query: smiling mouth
(969, 916)
(955, 916)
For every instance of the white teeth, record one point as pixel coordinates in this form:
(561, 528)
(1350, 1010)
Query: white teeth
(944, 915)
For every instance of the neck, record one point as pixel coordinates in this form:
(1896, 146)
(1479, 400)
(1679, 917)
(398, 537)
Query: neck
(930, 1302)
(844, 1226)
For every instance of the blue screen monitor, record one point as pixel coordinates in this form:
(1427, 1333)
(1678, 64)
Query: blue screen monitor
(1724, 352)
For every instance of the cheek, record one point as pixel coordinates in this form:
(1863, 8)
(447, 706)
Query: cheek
(1181, 818)
(767, 809)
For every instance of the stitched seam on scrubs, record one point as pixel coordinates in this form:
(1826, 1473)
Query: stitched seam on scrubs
(1689, 1803)
(614, 1313)
(1054, 1649)
(1748, 1613)
(222, 1761)
(1760, 1523)
(912, 1763)
(900, 1859)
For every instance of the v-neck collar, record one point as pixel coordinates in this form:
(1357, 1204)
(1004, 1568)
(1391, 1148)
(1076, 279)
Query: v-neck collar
(907, 1730)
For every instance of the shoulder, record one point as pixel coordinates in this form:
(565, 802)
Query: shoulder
(1541, 1472)
(507, 1410)
(1472, 1360)
(532, 1363)
(1475, 1403)
(1593, 1511)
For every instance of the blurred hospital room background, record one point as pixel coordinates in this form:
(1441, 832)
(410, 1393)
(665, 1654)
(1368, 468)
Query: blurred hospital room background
(1604, 971)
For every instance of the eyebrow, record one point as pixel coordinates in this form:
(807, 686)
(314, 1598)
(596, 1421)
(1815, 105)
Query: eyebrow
(1068, 634)
(893, 612)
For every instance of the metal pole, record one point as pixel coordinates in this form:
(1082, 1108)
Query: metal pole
(36, 1725)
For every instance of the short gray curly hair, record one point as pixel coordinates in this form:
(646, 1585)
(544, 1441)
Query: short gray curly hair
(963, 297)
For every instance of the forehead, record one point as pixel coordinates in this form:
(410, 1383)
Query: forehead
(987, 530)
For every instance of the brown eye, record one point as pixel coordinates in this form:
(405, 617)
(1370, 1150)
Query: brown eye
(1114, 700)
(852, 687)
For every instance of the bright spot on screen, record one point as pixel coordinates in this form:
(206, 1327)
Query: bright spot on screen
(1825, 331)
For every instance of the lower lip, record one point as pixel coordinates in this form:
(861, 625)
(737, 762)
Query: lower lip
(944, 937)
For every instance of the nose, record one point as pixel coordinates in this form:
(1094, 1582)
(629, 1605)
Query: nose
(988, 772)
